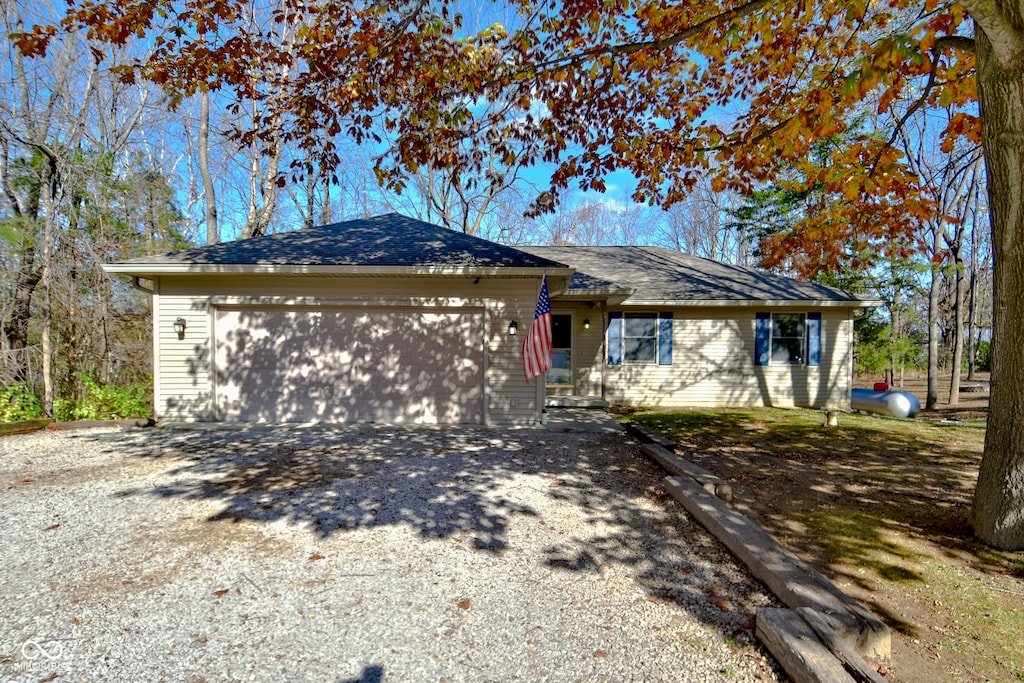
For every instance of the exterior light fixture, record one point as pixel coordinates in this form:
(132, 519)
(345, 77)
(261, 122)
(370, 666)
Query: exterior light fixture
(179, 327)
(513, 327)
(586, 324)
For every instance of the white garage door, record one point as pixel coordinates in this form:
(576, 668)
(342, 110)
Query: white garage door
(350, 365)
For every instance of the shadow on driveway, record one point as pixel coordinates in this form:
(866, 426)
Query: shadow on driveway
(460, 481)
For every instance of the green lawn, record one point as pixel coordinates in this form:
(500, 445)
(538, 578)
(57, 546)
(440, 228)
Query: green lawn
(881, 506)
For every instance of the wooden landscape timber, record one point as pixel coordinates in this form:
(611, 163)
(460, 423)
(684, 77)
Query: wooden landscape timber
(23, 427)
(826, 636)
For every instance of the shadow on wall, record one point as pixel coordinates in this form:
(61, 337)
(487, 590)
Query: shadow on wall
(712, 359)
(713, 364)
(309, 364)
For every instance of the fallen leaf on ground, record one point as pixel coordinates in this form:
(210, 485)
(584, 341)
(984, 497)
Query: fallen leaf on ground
(600, 654)
(720, 601)
(314, 557)
(51, 527)
(221, 593)
(464, 604)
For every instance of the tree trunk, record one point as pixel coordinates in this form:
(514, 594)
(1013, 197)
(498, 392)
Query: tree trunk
(958, 322)
(972, 348)
(933, 328)
(998, 512)
(209, 191)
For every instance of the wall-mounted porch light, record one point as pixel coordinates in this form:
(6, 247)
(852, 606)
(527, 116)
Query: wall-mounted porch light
(586, 324)
(179, 327)
(513, 327)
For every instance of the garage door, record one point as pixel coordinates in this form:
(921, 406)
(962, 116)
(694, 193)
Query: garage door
(350, 365)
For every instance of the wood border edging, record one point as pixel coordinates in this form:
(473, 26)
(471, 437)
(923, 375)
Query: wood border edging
(854, 639)
(23, 427)
(795, 582)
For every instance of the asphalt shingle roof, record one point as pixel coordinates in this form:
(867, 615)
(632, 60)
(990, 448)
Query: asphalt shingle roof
(659, 274)
(390, 240)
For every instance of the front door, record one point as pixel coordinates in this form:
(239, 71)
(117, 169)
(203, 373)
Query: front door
(560, 374)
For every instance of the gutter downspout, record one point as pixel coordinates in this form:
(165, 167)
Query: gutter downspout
(137, 284)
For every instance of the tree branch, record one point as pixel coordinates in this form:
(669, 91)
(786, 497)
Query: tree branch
(1007, 40)
(570, 60)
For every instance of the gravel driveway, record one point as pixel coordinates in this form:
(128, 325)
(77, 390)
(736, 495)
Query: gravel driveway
(359, 554)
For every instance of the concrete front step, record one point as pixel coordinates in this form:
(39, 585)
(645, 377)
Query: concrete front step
(575, 402)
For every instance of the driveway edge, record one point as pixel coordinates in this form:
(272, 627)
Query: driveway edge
(838, 625)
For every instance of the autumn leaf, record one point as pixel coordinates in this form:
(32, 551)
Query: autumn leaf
(314, 557)
(51, 527)
(600, 654)
(464, 604)
(221, 593)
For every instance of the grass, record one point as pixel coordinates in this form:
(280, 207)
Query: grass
(881, 506)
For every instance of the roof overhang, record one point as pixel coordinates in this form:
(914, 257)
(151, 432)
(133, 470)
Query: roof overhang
(758, 303)
(149, 269)
(613, 296)
(558, 277)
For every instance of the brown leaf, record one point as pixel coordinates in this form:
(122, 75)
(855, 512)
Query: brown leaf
(27, 481)
(464, 604)
(221, 593)
(720, 601)
(314, 557)
(600, 654)
(51, 527)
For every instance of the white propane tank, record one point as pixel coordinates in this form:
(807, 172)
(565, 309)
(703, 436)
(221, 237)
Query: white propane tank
(890, 402)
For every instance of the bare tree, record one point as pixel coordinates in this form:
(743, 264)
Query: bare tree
(699, 225)
(952, 179)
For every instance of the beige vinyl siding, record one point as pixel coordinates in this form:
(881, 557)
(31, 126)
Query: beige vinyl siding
(184, 384)
(713, 365)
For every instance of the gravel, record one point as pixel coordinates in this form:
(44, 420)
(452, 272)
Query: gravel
(360, 554)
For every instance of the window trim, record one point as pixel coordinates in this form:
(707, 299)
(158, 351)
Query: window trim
(656, 337)
(802, 358)
(615, 337)
(810, 341)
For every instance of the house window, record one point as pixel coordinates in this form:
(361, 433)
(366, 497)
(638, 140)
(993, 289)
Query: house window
(639, 337)
(561, 350)
(789, 338)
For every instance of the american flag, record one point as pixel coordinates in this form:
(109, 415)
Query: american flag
(537, 345)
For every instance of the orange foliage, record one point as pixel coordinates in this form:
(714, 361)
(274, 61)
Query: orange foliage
(670, 91)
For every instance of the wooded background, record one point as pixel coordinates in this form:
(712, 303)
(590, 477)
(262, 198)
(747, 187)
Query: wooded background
(96, 167)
